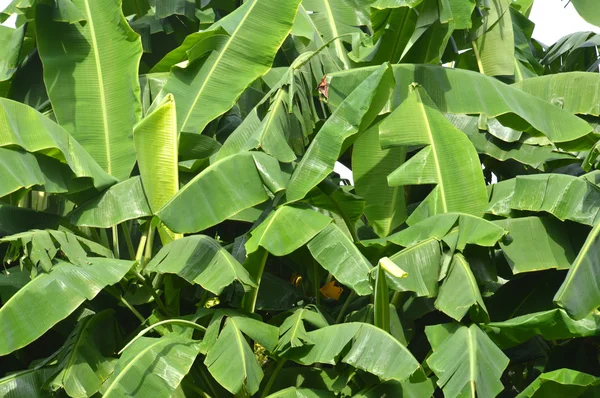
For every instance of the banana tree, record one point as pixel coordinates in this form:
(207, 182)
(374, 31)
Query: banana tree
(171, 224)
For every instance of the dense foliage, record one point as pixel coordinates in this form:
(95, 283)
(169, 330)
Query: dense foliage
(171, 224)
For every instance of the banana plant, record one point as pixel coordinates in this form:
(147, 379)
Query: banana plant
(173, 221)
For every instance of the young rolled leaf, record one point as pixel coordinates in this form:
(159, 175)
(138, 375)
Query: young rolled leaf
(492, 98)
(561, 382)
(551, 325)
(338, 255)
(385, 206)
(459, 293)
(51, 297)
(98, 101)
(466, 361)
(287, 229)
(201, 260)
(121, 202)
(360, 108)
(197, 88)
(151, 367)
(392, 361)
(448, 159)
(579, 294)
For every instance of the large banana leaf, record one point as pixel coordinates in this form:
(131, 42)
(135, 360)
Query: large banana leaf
(562, 383)
(385, 206)
(121, 202)
(564, 196)
(422, 263)
(551, 325)
(359, 109)
(416, 387)
(212, 191)
(293, 392)
(12, 43)
(452, 92)
(579, 294)
(151, 367)
(494, 45)
(459, 293)
(287, 229)
(258, 28)
(84, 362)
(536, 244)
(51, 297)
(465, 360)
(588, 11)
(292, 332)
(200, 259)
(90, 71)
(576, 92)
(14, 220)
(391, 361)
(27, 383)
(156, 141)
(338, 255)
(26, 128)
(448, 160)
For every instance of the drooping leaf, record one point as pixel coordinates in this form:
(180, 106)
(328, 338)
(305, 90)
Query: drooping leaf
(25, 128)
(361, 106)
(551, 325)
(494, 45)
(201, 260)
(338, 255)
(422, 263)
(151, 367)
(98, 101)
(287, 229)
(121, 202)
(292, 332)
(492, 98)
(466, 361)
(459, 293)
(14, 220)
(156, 140)
(51, 297)
(579, 294)
(12, 43)
(391, 361)
(385, 206)
(197, 88)
(211, 191)
(536, 244)
(84, 362)
(588, 11)
(448, 159)
(561, 382)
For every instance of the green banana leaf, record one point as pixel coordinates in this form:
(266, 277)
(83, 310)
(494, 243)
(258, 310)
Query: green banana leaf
(293, 392)
(392, 360)
(458, 228)
(156, 141)
(98, 100)
(564, 196)
(292, 332)
(494, 44)
(359, 109)
(422, 263)
(151, 367)
(51, 297)
(287, 229)
(415, 387)
(579, 294)
(576, 92)
(84, 362)
(14, 220)
(385, 206)
(448, 160)
(219, 199)
(12, 43)
(26, 128)
(121, 202)
(536, 244)
(459, 293)
(551, 325)
(198, 87)
(338, 255)
(492, 98)
(588, 11)
(200, 259)
(27, 383)
(561, 383)
(465, 360)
